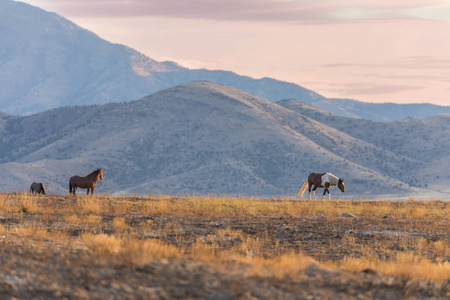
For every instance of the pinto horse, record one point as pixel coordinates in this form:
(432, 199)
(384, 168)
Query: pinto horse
(88, 182)
(321, 180)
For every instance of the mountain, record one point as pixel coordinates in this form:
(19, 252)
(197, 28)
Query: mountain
(208, 138)
(47, 62)
(379, 112)
(423, 140)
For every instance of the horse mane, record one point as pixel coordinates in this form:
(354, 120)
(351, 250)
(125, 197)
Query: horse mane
(95, 172)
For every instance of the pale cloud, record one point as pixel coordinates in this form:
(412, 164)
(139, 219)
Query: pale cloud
(219, 64)
(254, 10)
(412, 62)
(438, 12)
(364, 88)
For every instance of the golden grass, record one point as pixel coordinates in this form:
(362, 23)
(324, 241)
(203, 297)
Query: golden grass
(102, 243)
(128, 248)
(405, 266)
(92, 220)
(18, 203)
(286, 265)
(247, 207)
(73, 220)
(144, 251)
(220, 207)
(123, 228)
(441, 248)
(91, 205)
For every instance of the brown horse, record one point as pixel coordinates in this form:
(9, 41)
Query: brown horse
(322, 180)
(88, 182)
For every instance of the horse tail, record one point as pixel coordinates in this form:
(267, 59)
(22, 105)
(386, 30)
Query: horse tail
(303, 188)
(70, 187)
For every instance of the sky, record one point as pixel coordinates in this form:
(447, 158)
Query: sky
(372, 51)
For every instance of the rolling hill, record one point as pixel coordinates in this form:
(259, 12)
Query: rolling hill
(205, 137)
(423, 140)
(47, 62)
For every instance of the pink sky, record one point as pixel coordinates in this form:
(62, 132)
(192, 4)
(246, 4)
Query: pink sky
(373, 51)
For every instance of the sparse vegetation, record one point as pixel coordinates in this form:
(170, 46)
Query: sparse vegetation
(405, 243)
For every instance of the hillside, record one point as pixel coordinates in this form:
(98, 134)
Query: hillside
(200, 137)
(424, 140)
(47, 62)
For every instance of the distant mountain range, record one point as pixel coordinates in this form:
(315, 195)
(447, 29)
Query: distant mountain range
(208, 138)
(47, 62)
(69, 105)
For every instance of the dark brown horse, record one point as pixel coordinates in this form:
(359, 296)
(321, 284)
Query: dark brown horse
(37, 188)
(88, 182)
(322, 180)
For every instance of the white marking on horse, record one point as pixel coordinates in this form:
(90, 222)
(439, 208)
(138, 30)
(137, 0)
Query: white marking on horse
(330, 178)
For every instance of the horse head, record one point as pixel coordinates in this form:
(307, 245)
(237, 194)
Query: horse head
(341, 185)
(100, 172)
(42, 188)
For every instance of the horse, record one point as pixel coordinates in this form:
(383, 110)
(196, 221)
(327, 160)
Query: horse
(88, 182)
(321, 180)
(37, 188)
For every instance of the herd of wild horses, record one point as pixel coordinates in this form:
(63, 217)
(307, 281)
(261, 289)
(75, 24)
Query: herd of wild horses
(318, 180)
(87, 182)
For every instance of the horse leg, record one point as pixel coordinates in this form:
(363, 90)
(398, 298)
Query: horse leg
(327, 190)
(314, 192)
(87, 193)
(92, 191)
(309, 186)
(74, 191)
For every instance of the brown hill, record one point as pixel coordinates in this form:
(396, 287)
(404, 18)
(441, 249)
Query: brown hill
(200, 137)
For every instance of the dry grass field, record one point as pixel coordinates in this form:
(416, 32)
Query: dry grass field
(161, 247)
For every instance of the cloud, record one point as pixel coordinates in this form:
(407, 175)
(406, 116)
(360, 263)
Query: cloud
(256, 10)
(354, 89)
(412, 62)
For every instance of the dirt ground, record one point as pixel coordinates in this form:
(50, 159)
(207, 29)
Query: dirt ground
(51, 268)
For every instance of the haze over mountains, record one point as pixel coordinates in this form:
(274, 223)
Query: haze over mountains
(47, 61)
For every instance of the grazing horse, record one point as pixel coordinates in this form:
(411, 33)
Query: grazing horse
(322, 180)
(88, 182)
(37, 188)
